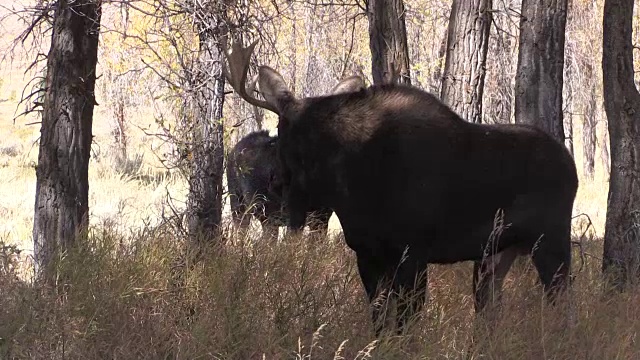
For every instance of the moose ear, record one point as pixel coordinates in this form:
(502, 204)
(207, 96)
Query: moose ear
(351, 84)
(273, 88)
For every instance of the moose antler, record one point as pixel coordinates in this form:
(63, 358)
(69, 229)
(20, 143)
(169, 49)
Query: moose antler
(236, 74)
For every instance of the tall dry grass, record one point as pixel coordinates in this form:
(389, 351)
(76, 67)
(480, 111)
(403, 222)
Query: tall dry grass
(299, 299)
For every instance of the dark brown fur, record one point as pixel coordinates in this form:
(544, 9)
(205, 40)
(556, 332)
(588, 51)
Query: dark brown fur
(255, 187)
(403, 173)
(412, 183)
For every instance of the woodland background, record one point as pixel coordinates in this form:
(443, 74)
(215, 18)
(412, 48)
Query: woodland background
(289, 300)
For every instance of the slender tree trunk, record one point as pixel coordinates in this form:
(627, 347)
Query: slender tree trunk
(604, 150)
(119, 130)
(437, 75)
(388, 41)
(498, 107)
(465, 64)
(62, 180)
(568, 138)
(294, 58)
(621, 258)
(311, 62)
(539, 77)
(205, 184)
(589, 132)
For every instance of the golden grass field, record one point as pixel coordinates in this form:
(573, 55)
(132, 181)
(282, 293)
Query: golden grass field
(297, 300)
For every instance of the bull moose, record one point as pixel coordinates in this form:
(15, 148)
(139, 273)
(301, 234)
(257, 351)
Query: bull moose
(412, 183)
(255, 187)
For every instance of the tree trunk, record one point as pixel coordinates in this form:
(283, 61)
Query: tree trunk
(539, 76)
(62, 183)
(589, 133)
(568, 138)
(388, 41)
(498, 107)
(465, 63)
(310, 76)
(604, 150)
(621, 258)
(204, 204)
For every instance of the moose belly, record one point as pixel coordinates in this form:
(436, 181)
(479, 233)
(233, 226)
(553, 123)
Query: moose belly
(445, 228)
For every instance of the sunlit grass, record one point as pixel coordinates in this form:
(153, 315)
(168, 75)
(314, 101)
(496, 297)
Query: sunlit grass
(297, 298)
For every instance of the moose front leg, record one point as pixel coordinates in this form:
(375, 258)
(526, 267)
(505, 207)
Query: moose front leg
(410, 288)
(296, 209)
(374, 274)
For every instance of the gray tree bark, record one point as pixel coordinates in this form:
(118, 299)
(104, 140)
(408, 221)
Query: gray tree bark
(621, 257)
(604, 151)
(539, 76)
(589, 139)
(388, 41)
(62, 174)
(466, 57)
(204, 203)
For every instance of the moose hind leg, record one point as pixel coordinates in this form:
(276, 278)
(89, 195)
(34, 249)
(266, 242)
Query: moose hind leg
(551, 256)
(488, 278)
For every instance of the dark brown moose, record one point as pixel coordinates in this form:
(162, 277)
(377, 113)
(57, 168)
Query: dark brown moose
(255, 187)
(412, 183)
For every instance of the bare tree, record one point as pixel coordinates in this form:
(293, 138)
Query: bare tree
(62, 183)
(465, 64)
(200, 80)
(498, 95)
(539, 77)
(388, 41)
(605, 157)
(589, 139)
(204, 204)
(581, 86)
(621, 258)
